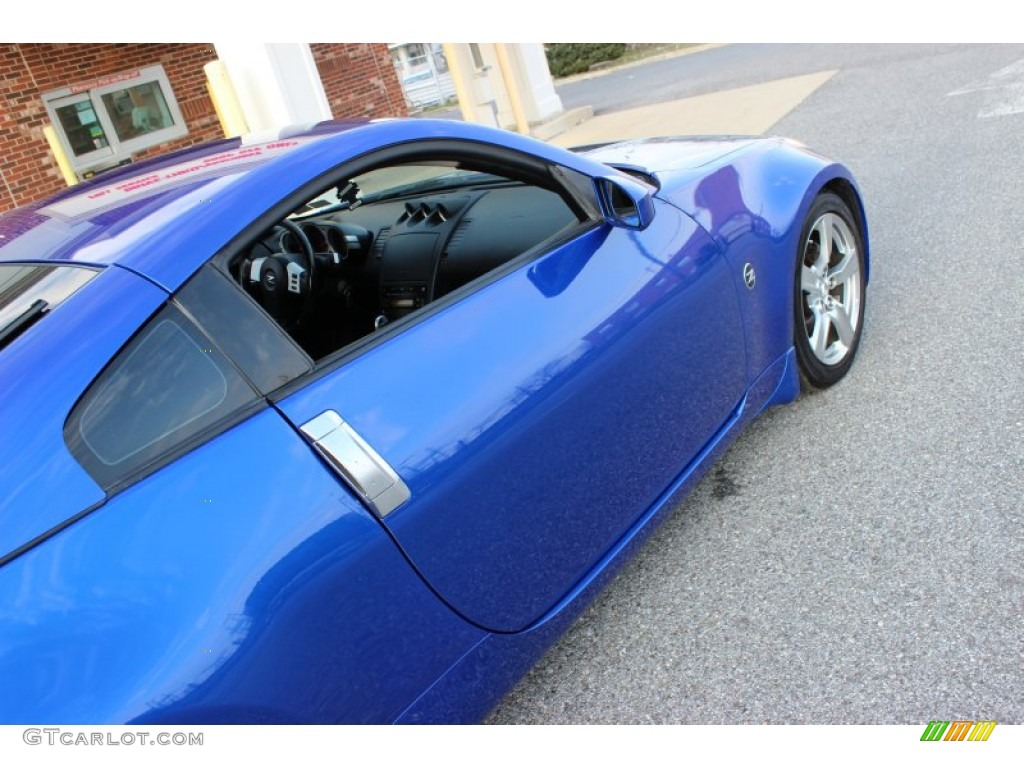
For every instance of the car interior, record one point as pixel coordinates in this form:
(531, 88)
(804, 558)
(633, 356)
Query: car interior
(374, 248)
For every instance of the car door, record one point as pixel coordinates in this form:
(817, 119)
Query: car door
(511, 437)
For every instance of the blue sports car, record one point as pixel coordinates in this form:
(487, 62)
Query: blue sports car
(346, 425)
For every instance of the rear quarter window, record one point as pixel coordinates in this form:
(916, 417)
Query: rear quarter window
(168, 389)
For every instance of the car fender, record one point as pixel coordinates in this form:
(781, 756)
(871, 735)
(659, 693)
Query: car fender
(753, 203)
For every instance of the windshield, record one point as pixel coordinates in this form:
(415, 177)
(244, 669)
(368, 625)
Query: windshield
(397, 180)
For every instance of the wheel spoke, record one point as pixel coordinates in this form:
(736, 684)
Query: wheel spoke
(841, 318)
(824, 230)
(808, 279)
(819, 336)
(848, 267)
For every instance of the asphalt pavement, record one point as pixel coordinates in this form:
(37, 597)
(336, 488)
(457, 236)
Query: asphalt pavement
(855, 557)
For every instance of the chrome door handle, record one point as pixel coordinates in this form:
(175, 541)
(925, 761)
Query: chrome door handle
(362, 468)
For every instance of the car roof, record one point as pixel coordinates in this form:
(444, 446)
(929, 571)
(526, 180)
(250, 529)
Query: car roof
(164, 218)
(102, 221)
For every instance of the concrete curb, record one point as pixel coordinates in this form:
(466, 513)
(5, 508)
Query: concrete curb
(561, 123)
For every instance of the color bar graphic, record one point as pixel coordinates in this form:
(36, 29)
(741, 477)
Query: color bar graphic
(958, 730)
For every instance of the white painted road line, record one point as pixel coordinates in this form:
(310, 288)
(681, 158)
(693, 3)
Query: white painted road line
(1004, 91)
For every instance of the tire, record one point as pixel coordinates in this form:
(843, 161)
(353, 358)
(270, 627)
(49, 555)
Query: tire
(828, 293)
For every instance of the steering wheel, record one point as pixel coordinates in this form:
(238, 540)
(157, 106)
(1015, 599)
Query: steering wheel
(283, 282)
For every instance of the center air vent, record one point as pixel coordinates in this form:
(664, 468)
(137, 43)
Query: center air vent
(426, 213)
(431, 212)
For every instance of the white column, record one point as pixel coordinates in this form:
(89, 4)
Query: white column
(540, 101)
(277, 83)
(484, 91)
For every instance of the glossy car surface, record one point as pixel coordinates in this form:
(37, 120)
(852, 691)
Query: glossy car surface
(349, 424)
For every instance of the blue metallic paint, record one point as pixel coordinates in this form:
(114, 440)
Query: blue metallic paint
(752, 196)
(262, 591)
(497, 663)
(131, 615)
(507, 511)
(45, 371)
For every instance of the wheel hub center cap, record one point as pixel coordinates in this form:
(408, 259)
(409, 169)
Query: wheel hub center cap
(821, 292)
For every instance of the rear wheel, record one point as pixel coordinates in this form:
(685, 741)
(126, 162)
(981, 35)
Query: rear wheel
(828, 292)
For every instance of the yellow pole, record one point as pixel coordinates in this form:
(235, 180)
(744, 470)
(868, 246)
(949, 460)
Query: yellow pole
(225, 100)
(62, 158)
(512, 88)
(462, 88)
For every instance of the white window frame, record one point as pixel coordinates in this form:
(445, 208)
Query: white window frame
(117, 150)
(89, 159)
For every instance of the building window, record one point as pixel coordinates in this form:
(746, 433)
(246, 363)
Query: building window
(138, 110)
(81, 126)
(102, 122)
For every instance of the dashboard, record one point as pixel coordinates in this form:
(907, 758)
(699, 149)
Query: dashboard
(330, 279)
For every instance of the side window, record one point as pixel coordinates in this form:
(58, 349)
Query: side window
(389, 238)
(165, 388)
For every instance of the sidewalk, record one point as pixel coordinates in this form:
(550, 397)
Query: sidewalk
(750, 110)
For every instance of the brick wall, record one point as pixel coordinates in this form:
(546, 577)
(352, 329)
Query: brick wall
(27, 168)
(358, 78)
